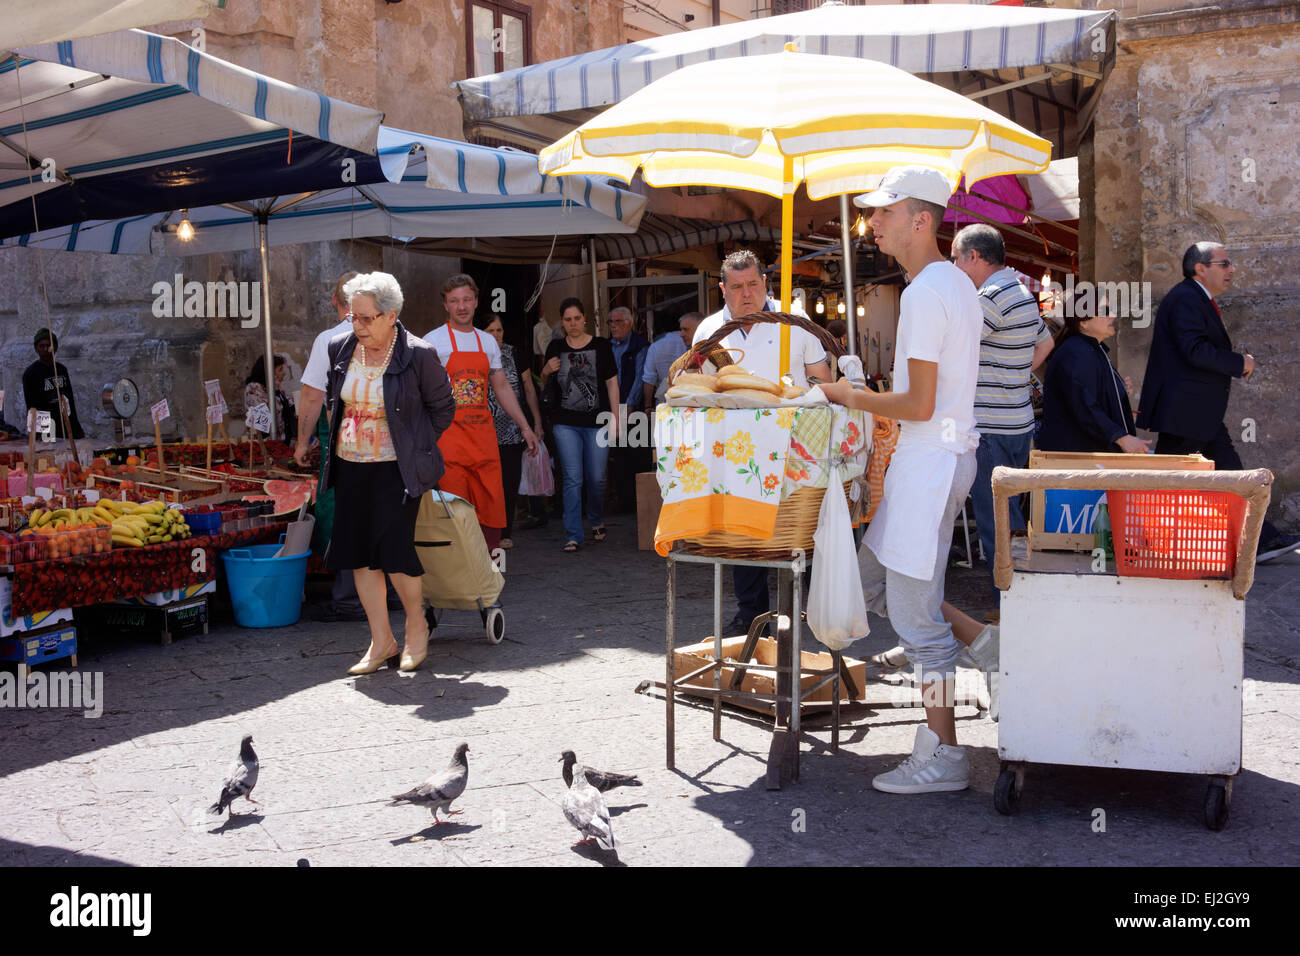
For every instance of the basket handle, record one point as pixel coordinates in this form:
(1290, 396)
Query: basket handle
(1254, 486)
(241, 553)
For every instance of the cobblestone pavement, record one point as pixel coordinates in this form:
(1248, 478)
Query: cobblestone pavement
(582, 631)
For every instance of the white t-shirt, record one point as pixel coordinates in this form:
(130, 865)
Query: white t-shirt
(472, 341)
(316, 374)
(940, 320)
(762, 346)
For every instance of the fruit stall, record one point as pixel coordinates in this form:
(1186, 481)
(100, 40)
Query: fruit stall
(125, 543)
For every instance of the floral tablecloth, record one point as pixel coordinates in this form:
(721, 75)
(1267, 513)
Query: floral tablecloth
(730, 469)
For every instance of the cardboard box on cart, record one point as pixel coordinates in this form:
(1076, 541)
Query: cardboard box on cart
(695, 656)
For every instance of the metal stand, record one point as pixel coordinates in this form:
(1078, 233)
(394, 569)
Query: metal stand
(786, 707)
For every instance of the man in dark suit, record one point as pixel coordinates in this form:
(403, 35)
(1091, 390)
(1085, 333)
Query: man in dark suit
(1190, 370)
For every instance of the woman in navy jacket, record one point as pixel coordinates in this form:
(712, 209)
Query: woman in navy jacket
(1085, 403)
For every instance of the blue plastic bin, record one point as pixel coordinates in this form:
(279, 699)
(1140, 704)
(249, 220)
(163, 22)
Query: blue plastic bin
(265, 591)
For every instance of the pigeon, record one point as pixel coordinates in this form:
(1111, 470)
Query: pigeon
(442, 788)
(241, 781)
(585, 808)
(602, 780)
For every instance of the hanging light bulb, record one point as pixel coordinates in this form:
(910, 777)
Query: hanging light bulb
(185, 231)
(862, 227)
(861, 311)
(840, 307)
(821, 306)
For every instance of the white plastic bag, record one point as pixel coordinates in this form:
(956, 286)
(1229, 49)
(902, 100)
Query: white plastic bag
(837, 612)
(536, 477)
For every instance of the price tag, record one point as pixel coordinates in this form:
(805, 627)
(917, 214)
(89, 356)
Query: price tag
(215, 414)
(213, 389)
(159, 411)
(259, 417)
(44, 492)
(45, 426)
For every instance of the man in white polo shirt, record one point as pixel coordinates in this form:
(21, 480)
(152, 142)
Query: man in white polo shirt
(757, 347)
(936, 363)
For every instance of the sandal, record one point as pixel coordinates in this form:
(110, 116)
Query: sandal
(571, 546)
(598, 534)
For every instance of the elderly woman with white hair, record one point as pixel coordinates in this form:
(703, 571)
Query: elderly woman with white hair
(389, 400)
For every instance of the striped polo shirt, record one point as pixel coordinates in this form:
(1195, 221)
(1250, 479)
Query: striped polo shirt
(1013, 326)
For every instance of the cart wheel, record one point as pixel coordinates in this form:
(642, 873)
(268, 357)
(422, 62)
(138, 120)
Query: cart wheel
(1006, 795)
(1216, 806)
(494, 624)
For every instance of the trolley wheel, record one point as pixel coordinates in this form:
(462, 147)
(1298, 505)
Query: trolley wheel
(1006, 795)
(1217, 800)
(494, 624)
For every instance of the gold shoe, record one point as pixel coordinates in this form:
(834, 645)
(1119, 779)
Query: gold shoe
(368, 664)
(412, 661)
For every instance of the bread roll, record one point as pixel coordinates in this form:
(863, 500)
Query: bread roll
(793, 391)
(761, 395)
(697, 379)
(731, 370)
(686, 391)
(745, 380)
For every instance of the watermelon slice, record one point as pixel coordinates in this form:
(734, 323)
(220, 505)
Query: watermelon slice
(286, 503)
(278, 487)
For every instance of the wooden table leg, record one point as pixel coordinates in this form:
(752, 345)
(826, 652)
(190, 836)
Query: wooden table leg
(669, 685)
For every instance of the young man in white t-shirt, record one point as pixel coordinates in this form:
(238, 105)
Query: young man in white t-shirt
(936, 364)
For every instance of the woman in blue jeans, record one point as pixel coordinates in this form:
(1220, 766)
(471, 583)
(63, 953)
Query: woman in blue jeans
(587, 383)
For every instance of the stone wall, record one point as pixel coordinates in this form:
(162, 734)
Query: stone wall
(1195, 139)
(400, 58)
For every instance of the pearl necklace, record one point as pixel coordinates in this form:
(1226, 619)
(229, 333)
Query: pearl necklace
(384, 364)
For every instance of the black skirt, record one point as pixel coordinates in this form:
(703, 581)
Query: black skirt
(372, 527)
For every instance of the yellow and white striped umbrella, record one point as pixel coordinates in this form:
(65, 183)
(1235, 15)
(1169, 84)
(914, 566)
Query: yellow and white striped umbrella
(767, 123)
(844, 121)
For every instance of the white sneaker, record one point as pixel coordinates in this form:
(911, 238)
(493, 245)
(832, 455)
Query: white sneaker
(933, 767)
(985, 653)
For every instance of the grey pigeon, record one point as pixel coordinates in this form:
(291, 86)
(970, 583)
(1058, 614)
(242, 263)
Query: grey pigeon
(585, 808)
(442, 788)
(602, 780)
(241, 780)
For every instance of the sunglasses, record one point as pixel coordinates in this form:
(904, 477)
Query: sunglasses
(1226, 263)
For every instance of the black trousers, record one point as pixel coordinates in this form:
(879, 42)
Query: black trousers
(1220, 450)
(751, 590)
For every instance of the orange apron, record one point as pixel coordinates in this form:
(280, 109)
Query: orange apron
(469, 445)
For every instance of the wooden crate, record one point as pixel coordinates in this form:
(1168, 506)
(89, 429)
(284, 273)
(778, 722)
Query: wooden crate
(648, 502)
(1062, 520)
(695, 656)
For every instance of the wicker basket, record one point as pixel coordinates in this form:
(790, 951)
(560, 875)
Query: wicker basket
(711, 350)
(796, 523)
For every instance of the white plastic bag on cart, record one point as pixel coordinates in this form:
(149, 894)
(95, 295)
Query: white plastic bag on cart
(837, 612)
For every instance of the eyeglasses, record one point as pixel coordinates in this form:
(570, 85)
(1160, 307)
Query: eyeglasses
(363, 320)
(1226, 263)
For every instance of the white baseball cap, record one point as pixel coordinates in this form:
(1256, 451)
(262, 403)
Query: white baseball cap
(908, 182)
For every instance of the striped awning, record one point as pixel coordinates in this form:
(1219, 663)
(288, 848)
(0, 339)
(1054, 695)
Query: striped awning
(112, 123)
(1041, 68)
(27, 22)
(655, 236)
(416, 186)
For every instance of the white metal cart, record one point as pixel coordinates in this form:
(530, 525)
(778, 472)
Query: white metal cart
(1100, 670)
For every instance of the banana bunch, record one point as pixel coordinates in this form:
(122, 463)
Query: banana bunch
(135, 525)
(60, 519)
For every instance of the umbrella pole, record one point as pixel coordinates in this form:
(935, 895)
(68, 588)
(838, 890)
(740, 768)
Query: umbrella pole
(787, 255)
(595, 285)
(850, 312)
(266, 320)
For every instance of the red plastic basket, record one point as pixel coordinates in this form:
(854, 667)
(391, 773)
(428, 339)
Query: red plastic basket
(1182, 535)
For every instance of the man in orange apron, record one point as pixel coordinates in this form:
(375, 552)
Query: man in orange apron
(469, 446)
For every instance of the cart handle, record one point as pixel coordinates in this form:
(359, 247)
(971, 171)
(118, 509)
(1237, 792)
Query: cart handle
(1254, 486)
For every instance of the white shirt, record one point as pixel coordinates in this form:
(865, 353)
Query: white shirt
(940, 321)
(316, 374)
(472, 341)
(762, 346)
